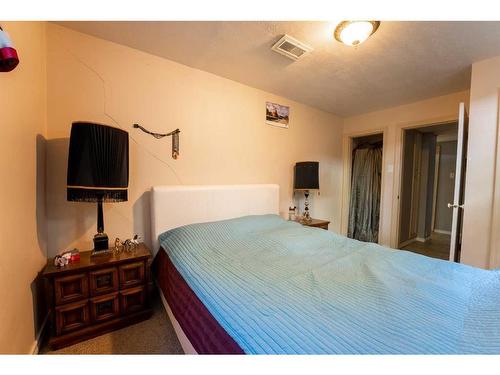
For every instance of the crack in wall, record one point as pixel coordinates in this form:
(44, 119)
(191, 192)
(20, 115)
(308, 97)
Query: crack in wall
(109, 116)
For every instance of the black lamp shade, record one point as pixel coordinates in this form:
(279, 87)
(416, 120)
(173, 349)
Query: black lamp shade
(306, 175)
(97, 163)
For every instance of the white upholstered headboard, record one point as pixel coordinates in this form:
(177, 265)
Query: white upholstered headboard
(174, 206)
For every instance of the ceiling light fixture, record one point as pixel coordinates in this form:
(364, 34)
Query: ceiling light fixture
(353, 33)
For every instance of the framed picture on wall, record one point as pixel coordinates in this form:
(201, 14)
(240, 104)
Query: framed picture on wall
(277, 115)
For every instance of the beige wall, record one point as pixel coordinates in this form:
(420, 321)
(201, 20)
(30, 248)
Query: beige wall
(22, 222)
(392, 120)
(482, 190)
(223, 139)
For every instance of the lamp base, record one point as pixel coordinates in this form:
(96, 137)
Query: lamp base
(101, 243)
(306, 218)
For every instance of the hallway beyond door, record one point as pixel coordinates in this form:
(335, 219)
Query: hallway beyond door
(438, 246)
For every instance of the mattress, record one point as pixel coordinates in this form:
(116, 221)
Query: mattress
(204, 332)
(276, 287)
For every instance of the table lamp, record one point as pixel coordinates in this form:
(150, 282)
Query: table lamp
(97, 170)
(306, 177)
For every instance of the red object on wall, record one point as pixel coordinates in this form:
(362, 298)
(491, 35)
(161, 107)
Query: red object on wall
(8, 55)
(8, 59)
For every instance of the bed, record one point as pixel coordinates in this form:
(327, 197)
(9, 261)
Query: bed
(236, 278)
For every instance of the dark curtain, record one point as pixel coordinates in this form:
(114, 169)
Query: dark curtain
(364, 207)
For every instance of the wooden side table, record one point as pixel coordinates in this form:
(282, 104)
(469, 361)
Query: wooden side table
(317, 223)
(97, 294)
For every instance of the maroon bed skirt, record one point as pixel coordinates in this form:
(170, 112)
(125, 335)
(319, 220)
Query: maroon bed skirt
(203, 331)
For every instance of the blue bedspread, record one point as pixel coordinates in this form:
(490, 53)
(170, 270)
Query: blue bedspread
(278, 287)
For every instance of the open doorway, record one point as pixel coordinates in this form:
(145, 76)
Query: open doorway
(427, 186)
(365, 187)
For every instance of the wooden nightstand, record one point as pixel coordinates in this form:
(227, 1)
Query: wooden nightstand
(317, 223)
(97, 294)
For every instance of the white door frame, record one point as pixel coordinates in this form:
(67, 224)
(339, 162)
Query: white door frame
(398, 167)
(494, 259)
(347, 141)
(456, 226)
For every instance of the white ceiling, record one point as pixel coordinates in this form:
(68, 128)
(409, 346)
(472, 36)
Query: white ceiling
(401, 63)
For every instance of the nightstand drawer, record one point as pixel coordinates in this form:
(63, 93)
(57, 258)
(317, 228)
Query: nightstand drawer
(131, 274)
(132, 300)
(103, 281)
(104, 307)
(71, 317)
(71, 288)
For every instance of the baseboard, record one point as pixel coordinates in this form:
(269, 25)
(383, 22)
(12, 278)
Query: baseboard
(35, 348)
(420, 239)
(442, 231)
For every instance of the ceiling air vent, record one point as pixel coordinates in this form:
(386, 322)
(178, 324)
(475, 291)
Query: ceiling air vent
(291, 47)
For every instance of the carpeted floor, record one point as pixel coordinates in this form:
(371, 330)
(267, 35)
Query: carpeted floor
(153, 336)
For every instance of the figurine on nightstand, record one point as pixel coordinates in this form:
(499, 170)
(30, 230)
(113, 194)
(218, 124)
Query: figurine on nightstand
(136, 239)
(127, 245)
(118, 245)
(60, 261)
(67, 257)
(131, 244)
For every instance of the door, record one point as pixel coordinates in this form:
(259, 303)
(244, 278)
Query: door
(458, 197)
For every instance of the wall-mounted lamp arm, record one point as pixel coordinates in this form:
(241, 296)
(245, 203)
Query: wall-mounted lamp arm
(156, 135)
(174, 134)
